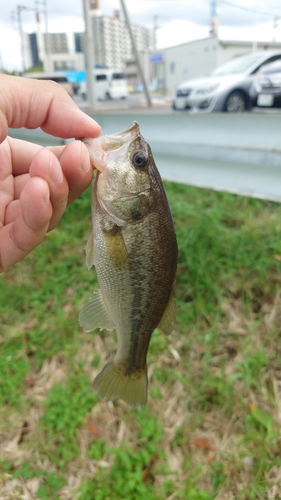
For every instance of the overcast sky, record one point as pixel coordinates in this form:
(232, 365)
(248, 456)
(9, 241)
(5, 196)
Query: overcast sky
(178, 21)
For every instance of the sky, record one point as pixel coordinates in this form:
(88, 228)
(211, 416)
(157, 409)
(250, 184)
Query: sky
(177, 21)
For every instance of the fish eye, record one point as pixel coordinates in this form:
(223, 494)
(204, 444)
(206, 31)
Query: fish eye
(139, 159)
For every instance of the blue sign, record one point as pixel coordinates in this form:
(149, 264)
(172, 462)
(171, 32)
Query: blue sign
(75, 76)
(156, 58)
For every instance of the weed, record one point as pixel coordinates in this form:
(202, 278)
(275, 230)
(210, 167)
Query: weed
(131, 475)
(66, 408)
(14, 367)
(216, 377)
(52, 484)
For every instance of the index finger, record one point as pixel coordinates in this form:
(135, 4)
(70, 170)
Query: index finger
(32, 103)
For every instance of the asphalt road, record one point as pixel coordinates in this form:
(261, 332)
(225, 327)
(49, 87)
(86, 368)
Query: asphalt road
(227, 152)
(161, 104)
(133, 102)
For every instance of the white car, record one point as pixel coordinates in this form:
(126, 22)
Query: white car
(227, 88)
(57, 77)
(109, 84)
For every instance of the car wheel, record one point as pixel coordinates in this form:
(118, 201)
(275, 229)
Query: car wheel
(236, 102)
(108, 96)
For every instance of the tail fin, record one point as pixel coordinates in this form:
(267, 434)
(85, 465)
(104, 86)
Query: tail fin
(112, 384)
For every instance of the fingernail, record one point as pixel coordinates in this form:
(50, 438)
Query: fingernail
(95, 125)
(85, 159)
(46, 195)
(55, 171)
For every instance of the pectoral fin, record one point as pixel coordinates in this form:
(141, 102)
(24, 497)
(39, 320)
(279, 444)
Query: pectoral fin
(94, 314)
(90, 254)
(168, 320)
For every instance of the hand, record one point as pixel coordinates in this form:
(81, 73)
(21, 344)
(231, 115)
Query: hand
(36, 183)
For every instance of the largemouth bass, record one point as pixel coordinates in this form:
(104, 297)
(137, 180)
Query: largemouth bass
(134, 250)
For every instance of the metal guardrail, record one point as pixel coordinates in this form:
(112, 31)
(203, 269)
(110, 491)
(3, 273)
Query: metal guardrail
(236, 153)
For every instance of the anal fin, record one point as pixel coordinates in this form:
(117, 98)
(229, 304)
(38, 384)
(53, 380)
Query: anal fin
(94, 314)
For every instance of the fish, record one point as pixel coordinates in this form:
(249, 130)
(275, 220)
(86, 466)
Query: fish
(133, 247)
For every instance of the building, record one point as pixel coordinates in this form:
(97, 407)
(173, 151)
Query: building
(198, 58)
(132, 73)
(35, 61)
(35, 45)
(112, 42)
(79, 42)
(112, 45)
(57, 43)
(64, 62)
(30, 50)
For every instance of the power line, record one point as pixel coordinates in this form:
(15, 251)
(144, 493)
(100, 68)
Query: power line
(248, 9)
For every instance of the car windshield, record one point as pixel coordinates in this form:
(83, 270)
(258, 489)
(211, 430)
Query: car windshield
(237, 66)
(274, 67)
(118, 76)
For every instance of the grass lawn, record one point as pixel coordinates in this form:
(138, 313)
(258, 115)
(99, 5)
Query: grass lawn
(211, 429)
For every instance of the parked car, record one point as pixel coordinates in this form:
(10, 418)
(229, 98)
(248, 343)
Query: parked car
(59, 78)
(266, 89)
(227, 88)
(109, 84)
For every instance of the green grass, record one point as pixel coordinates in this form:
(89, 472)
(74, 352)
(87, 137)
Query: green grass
(212, 425)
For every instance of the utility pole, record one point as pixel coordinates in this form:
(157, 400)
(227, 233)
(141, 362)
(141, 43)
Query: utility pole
(214, 28)
(155, 27)
(126, 15)
(275, 26)
(89, 55)
(40, 41)
(255, 42)
(20, 8)
(47, 43)
(47, 39)
(1, 63)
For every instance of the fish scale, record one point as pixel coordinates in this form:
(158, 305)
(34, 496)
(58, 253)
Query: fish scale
(134, 250)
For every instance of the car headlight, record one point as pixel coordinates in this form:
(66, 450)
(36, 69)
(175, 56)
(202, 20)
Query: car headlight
(208, 90)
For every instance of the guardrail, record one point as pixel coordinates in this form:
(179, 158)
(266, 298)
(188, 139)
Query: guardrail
(236, 153)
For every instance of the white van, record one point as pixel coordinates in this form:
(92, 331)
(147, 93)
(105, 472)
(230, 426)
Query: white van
(59, 78)
(109, 84)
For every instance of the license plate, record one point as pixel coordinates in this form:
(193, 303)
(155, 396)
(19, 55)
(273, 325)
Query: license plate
(180, 103)
(265, 100)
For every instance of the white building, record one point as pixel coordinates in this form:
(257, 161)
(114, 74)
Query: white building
(112, 42)
(197, 58)
(58, 43)
(36, 45)
(64, 61)
(111, 45)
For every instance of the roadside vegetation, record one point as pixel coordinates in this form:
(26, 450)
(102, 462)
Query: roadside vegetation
(211, 429)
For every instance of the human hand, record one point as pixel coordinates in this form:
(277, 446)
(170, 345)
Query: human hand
(36, 183)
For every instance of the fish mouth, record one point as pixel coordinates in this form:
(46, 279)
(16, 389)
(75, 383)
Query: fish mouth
(114, 141)
(109, 147)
